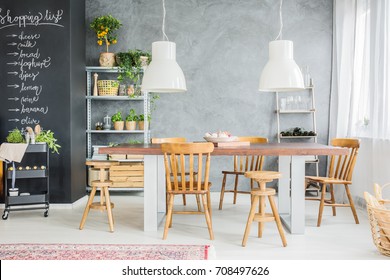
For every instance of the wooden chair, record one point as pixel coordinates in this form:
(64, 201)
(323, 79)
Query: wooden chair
(174, 140)
(176, 157)
(340, 173)
(242, 164)
(258, 198)
(103, 185)
(378, 192)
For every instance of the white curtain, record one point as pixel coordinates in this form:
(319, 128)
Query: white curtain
(360, 94)
(360, 97)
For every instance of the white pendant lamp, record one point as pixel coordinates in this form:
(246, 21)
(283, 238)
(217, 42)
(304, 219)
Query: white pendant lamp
(163, 73)
(281, 73)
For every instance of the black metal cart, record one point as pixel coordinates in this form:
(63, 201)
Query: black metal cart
(32, 180)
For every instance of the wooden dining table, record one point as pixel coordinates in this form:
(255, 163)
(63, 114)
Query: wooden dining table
(291, 187)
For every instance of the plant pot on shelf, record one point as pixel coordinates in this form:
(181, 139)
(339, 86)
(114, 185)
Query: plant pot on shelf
(141, 125)
(131, 125)
(119, 125)
(13, 192)
(107, 59)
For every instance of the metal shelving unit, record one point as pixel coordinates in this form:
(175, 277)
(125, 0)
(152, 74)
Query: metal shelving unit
(90, 99)
(311, 113)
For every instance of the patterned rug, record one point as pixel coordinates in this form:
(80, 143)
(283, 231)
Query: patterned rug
(23, 251)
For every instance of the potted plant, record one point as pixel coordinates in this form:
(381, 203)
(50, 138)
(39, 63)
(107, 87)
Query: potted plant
(105, 27)
(131, 64)
(118, 121)
(47, 136)
(141, 121)
(131, 120)
(15, 136)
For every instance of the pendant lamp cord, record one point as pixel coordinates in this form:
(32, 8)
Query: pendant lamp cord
(281, 21)
(165, 37)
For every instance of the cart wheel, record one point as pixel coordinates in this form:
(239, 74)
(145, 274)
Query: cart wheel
(5, 215)
(46, 214)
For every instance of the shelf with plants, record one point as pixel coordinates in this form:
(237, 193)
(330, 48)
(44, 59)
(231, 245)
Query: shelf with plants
(116, 131)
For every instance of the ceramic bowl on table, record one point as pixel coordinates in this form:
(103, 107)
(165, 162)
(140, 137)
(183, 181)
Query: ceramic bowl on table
(220, 139)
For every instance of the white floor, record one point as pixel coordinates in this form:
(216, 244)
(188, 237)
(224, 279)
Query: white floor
(338, 238)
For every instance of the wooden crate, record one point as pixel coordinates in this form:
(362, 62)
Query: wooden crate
(127, 175)
(115, 156)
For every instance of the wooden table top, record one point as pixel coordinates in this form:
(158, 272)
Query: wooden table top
(268, 149)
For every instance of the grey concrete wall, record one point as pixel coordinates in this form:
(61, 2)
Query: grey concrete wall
(222, 47)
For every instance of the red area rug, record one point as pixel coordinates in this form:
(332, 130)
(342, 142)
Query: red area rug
(102, 252)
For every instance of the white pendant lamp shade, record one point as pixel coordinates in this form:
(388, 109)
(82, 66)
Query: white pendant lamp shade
(281, 72)
(163, 73)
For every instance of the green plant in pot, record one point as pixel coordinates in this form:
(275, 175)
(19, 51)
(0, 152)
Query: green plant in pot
(47, 136)
(141, 121)
(131, 64)
(131, 120)
(15, 136)
(117, 120)
(105, 27)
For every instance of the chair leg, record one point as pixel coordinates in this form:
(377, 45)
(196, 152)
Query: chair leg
(260, 228)
(322, 203)
(173, 203)
(251, 215)
(277, 220)
(198, 202)
(235, 189)
(352, 204)
(169, 216)
(87, 207)
(222, 191)
(332, 199)
(109, 210)
(184, 200)
(207, 216)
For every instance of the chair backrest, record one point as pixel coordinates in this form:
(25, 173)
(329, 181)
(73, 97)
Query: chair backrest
(249, 163)
(341, 166)
(180, 158)
(168, 140)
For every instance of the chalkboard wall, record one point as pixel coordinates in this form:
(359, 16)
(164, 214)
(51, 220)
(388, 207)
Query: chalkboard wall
(42, 81)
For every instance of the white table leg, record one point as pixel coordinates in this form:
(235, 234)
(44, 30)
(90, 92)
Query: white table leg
(291, 193)
(154, 192)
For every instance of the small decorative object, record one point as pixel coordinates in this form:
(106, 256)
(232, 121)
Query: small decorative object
(43, 167)
(131, 120)
(27, 136)
(122, 90)
(20, 168)
(107, 123)
(130, 90)
(10, 168)
(99, 126)
(117, 119)
(35, 167)
(95, 88)
(28, 167)
(137, 91)
(220, 136)
(108, 87)
(105, 27)
(13, 192)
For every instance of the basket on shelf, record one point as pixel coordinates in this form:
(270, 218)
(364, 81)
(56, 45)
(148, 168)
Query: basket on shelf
(108, 87)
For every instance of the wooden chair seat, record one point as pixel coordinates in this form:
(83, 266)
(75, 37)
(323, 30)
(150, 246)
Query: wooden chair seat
(266, 192)
(99, 184)
(242, 164)
(327, 180)
(340, 173)
(181, 158)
